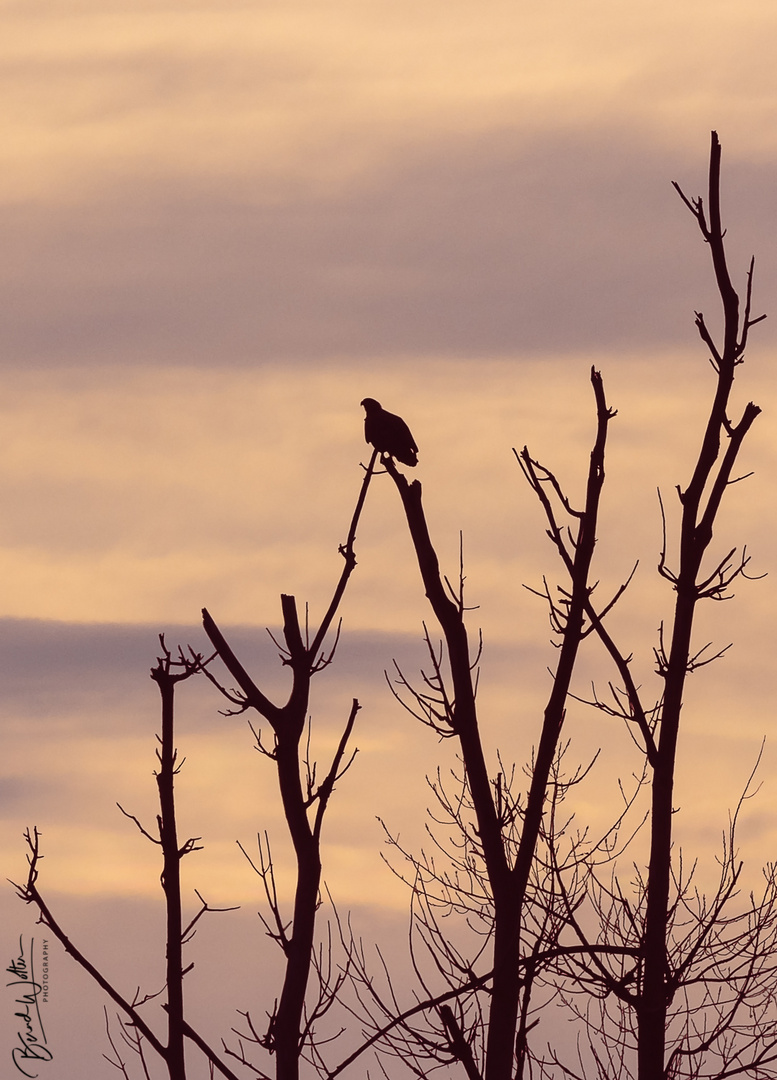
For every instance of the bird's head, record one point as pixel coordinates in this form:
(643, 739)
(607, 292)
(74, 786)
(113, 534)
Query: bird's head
(370, 404)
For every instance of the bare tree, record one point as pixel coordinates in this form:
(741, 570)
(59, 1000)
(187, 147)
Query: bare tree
(136, 1029)
(292, 1027)
(490, 879)
(666, 981)
(291, 1030)
(695, 990)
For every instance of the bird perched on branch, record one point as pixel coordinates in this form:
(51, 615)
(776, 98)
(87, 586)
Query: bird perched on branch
(388, 433)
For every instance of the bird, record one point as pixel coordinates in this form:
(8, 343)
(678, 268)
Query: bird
(388, 433)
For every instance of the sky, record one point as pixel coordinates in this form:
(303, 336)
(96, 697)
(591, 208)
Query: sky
(222, 226)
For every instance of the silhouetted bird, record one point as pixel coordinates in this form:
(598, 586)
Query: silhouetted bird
(389, 433)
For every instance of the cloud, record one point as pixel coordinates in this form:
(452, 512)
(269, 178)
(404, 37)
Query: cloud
(221, 229)
(144, 495)
(80, 716)
(475, 245)
(253, 186)
(296, 90)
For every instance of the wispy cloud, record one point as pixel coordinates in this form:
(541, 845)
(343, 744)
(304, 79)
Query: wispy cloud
(485, 244)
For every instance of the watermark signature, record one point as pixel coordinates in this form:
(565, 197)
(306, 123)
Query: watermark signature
(32, 991)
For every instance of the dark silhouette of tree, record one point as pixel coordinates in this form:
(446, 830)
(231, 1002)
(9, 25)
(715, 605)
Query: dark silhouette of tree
(291, 1033)
(666, 981)
(291, 1030)
(695, 991)
(137, 1030)
(493, 873)
(662, 981)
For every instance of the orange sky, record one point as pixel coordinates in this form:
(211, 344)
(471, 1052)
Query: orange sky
(223, 226)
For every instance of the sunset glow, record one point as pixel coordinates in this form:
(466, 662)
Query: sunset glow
(223, 226)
